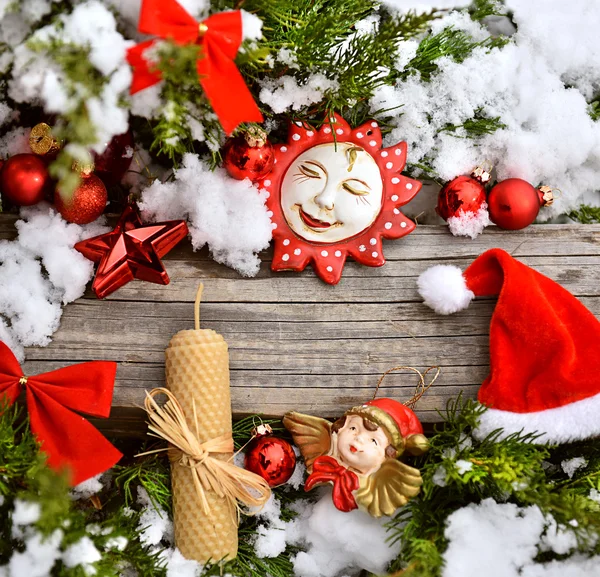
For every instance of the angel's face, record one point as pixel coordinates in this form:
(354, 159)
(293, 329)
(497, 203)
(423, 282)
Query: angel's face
(331, 192)
(360, 448)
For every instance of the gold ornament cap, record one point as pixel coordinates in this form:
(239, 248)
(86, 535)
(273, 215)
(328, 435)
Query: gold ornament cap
(83, 167)
(546, 195)
(41, 140)
(483, 173)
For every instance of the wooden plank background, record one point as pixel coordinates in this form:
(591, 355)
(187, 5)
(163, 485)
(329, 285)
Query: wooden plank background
(297, 343)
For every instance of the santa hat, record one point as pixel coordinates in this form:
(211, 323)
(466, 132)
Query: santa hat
(544, 348)
(399, 421)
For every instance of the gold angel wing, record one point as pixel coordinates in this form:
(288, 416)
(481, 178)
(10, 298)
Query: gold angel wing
(311, 434)
(389, 488)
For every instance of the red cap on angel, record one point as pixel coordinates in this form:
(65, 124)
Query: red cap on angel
(358, 454)
(335, 192)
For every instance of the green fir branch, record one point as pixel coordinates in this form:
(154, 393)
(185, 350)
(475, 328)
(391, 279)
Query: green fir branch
(475, 127)
(585, 214)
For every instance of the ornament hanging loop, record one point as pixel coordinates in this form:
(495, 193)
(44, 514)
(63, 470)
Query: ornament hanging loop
(421, 387)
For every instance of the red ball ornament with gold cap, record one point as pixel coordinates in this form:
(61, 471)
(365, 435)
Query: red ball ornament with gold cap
(270, 457)
(334, 193)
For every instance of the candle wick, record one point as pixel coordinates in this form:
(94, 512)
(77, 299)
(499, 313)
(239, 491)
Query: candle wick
(197, 306)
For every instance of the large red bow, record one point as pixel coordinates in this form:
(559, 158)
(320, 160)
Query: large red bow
(328, 470)
(220, 36)
(66, 437)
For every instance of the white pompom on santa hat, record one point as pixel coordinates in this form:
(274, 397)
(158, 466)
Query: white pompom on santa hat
(544, 348)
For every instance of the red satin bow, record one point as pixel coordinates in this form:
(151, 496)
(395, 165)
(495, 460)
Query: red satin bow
(220, 36)
(66, 437)
(328, 470)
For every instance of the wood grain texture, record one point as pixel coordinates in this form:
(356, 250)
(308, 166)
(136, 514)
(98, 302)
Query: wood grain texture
(296, 343)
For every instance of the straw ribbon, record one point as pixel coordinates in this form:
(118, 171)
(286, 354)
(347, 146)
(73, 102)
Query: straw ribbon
(421, 387)
(238, 486)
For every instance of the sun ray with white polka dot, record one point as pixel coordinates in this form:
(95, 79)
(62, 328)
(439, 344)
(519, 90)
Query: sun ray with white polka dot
(293, 252)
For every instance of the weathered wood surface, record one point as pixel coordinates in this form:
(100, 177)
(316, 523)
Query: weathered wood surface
(296, 343)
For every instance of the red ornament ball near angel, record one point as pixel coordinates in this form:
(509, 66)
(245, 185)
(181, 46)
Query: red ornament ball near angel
(358, 454)
(335, 193)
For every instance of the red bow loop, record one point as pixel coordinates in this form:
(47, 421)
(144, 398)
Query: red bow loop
(220, 36)
(66, 437)
(327, 470)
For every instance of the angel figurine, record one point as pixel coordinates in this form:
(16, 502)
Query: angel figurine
(358, 454)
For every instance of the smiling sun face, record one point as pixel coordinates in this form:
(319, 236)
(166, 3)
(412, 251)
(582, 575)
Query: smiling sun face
(335, 193)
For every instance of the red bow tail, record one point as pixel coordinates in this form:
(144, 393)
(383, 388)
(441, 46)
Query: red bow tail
(220, 36)
(328, 470)
(68, 439)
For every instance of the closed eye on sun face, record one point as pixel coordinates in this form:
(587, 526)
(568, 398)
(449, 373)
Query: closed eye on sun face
(356, 187)
(310, 169)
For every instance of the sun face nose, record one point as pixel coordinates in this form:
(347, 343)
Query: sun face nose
(326, 198)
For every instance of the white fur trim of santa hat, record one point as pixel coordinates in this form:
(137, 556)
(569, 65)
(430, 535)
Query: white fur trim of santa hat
(572, 422)
(444, 289)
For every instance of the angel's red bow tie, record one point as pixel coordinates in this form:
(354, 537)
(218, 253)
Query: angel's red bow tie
(328, 470)
(220, 36)
(66, 437)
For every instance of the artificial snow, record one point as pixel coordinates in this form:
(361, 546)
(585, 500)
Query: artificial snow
(335, 543)
(25, 512)
(83, 553)
(534, 84)
(285, 93)
(39, 556)
(570, 466)
(462, 466)
(39, 272)
(154, 524)
(503, 540)
(228, 215)
(36, 76)
(88, 488)
(469, 223)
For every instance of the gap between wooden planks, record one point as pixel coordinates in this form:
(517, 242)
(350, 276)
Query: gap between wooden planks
(297, 343)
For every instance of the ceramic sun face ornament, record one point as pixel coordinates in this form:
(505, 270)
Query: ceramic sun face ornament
(335, 193)
(358, 454)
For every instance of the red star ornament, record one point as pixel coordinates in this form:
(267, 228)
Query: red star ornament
(131, 250)
(314, 197)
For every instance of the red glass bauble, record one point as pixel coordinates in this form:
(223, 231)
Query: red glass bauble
(248, 157)
(513, 204)
(272, 458)
(24, 179)
(87, 203)
(114, 162)
(463, 193)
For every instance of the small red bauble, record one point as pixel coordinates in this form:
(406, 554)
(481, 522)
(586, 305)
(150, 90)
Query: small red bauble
(272, 458)
(87, 203)
(514, 204)
(114, 162)
(24, 179)
(460, 195)
(248, 156)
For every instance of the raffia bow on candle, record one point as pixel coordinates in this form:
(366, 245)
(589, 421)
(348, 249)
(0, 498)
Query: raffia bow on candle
(209, 474)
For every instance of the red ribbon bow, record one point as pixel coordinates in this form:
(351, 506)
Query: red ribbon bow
(328, 470)
(67, 438)
(220, 36)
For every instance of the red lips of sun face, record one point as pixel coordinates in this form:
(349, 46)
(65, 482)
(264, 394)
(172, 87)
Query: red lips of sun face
(312, 222)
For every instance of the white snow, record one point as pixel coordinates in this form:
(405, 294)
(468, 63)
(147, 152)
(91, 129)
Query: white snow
(229, 215)
(570, 466)
(285, 93)
(25, 512)
(154, 524)
(83, 553)
(39, 556)
(35, 76)
(549, 137)
(88, 488)
(335, 543)
(39, 272)
(462, 466)
(469, 223)
(502, 540)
